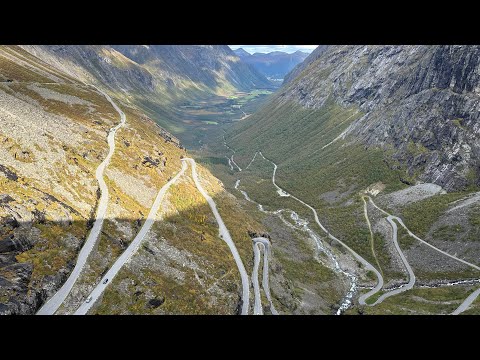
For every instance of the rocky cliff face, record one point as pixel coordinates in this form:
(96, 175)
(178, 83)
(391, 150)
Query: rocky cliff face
(421, 101)
(167, 82)
(96, 64)
(210, 65)
(159, 70)
(53, 137)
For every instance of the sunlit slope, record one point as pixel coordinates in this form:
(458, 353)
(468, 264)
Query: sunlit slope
(159, 79)
(358, 120)
(418, 100)
(307, 145)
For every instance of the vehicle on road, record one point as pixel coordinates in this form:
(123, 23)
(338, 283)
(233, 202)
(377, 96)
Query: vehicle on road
(88, 299)
(105, 281)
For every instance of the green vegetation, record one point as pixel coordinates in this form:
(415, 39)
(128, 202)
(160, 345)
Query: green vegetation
(299, 140)
(372, 237)
(458, 123)
(474, 217)
(178, 298)
(416, 149)
(419, 301)
(371, 300)
(431, 209)
(293, 137)
(188, 225)
(405, 241)
(190, 116)
(54, 249)
(448, 232)
(308, 271)
(345, 220)
(474, 308)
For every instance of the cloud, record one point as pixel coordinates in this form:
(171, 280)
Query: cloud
(269, 48)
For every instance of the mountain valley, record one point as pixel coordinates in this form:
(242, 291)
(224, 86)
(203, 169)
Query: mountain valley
(180, 179)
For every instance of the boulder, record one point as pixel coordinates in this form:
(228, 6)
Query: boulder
(155, 303)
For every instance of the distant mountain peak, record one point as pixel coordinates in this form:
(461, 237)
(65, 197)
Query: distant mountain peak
(240, 52)
(275, 64)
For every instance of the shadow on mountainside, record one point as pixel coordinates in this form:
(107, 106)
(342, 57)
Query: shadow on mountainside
(182, 263)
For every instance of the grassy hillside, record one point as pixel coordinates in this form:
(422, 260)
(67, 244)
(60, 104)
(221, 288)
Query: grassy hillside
(295, 137)
(330, 151)
(54, 135)
(188, 90)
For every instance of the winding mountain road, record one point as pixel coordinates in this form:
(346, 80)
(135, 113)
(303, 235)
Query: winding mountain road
(400, 221)
(234, 163)
(131, 249)
(302, 225)
(51, 306)
(264, 244)
(225, 235)
(257, 306)
(362, 299)
(364, 262)
(230, 160)
(372, 238)
(469, 300)
(466, 304)
(251, 161)
(411, 275)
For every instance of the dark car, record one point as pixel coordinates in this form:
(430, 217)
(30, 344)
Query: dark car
(105, 281)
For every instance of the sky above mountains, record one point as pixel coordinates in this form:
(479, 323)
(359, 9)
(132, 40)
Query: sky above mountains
(269, 48)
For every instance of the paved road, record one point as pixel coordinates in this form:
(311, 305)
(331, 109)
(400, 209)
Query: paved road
(468, 301)
(230, 160)
(302, 225)
(225, 235)
(51, 306)
(472, 296)
(234, 163)
(230, 163)
(379, 285)
(257, 306)
(372, 245)
(400, 221)
(131, 249)
(364, 262)
(251, 161)
(471, 199)
(411, 275)
(264, 244)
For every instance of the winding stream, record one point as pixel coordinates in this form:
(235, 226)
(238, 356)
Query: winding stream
(303, 225)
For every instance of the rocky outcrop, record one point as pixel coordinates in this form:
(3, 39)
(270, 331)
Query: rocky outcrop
(203, 64)
(96, 63)
(9, 174)
(421, 101)
(155, 303)
(151, 69)
(254, 234)
(54, 136)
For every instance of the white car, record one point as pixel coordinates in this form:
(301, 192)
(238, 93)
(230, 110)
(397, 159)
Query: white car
(88, 299)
